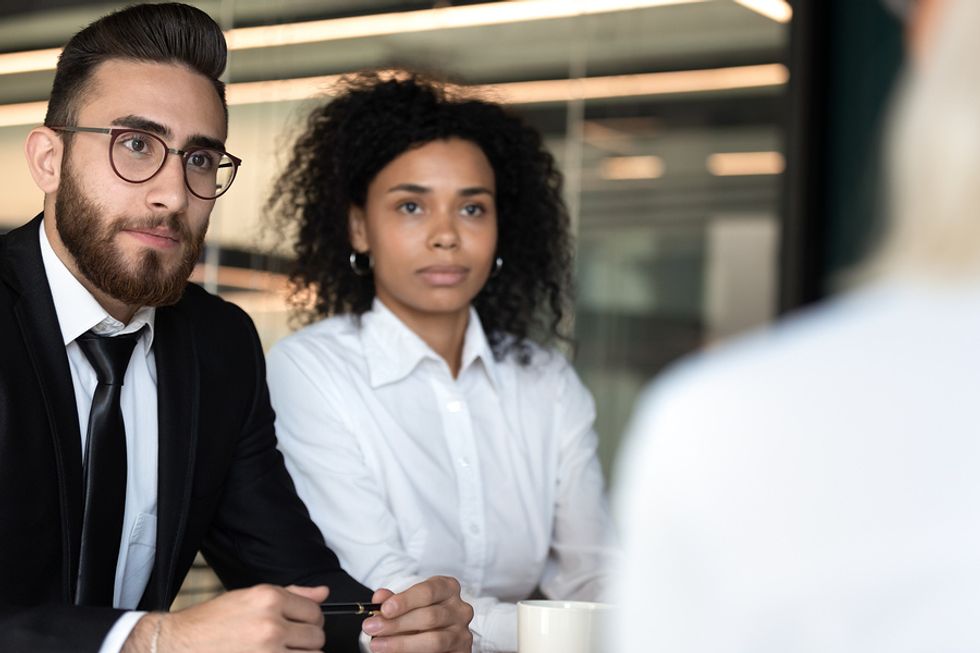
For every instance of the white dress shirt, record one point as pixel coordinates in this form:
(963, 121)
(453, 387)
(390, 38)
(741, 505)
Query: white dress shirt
(491, 477)
(812, 488)
(78, 312)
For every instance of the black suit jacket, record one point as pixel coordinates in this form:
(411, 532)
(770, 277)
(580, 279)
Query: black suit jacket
(222, 487)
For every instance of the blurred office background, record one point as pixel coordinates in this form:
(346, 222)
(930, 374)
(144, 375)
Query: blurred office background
(717, 153)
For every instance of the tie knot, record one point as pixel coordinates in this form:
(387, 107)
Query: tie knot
(109, 356)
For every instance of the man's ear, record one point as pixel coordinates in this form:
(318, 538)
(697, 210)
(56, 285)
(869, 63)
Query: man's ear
(44, 149)
(358, 230)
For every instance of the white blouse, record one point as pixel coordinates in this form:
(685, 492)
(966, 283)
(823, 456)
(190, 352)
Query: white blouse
(491, 477)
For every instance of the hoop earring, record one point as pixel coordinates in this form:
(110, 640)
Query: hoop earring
(360, 270)
(497, 264)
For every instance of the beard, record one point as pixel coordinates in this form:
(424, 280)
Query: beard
(149, 281)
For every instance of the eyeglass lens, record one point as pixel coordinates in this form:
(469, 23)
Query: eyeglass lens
(137, 156)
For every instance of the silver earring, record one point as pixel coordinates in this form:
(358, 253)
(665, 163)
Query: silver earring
(499, 263)
(361, 270)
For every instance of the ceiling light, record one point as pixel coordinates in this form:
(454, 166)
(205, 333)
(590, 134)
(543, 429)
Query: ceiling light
(631, 167)
(25, 113)
(265, 36)
(730, 164)
(685, 81)
(777, 10)
(495, 13)
(29, 61)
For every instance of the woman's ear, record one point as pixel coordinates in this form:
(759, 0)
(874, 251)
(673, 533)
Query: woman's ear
(44, 150)
(358, 230)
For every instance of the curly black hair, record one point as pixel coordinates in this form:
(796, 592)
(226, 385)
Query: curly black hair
(371, 120)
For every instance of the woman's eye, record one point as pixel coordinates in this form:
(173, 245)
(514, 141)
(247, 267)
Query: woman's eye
(473, 210)
(409, 207)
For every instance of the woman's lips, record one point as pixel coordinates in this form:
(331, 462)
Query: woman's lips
(443, 275)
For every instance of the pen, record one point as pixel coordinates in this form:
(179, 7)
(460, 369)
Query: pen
(350, 608)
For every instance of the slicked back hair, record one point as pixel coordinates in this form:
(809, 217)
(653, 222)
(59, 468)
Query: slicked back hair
(171, 33)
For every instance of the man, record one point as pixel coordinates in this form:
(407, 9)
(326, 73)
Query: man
(108, 490)
(815, 487)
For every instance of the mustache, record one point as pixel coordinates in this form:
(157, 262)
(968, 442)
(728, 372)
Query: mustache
(169, 221)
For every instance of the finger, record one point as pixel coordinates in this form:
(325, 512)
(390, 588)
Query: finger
(296, 607)
(431, 617)
(381, 595)
(318, 594)
(304, 637)
(432, 641)
(429, 591)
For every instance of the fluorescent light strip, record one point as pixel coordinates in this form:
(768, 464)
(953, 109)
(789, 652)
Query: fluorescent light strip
(29, 61)
(544, 91)
(497, 13)
(25, 113)
(280, 90)
(265, 36)
(631, 167)
(643, 84)
(732, 164)
(777, 10)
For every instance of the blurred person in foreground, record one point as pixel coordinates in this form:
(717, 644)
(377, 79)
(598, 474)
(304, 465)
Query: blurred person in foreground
(135, 426)
(425, 427)
(814, 487)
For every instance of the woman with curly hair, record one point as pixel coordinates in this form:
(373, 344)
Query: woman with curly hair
(425, 422)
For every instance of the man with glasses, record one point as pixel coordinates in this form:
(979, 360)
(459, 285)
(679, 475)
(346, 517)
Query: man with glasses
(135, 426)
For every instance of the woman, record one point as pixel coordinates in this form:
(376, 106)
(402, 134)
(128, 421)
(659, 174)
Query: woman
(425, 429)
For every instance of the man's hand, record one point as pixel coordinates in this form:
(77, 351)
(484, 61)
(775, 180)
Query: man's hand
(429, 617)
(259, 619)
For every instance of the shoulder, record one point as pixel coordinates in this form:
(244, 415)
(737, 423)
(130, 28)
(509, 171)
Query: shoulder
(323, 344)
(804, 349)
(774, 376)
(212, 315)
(547, 369)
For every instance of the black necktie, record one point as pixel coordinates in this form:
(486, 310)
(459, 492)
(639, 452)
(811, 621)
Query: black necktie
(104, 476)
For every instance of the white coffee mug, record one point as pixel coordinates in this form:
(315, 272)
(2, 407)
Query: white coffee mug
(560, 626)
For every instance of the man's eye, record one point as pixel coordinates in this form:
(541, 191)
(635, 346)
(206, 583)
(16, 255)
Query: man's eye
(201, 160)
(136, 143)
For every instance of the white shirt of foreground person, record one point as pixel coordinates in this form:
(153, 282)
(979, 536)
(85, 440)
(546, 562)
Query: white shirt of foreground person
(814, 488)
(78, 312)
(491, 478)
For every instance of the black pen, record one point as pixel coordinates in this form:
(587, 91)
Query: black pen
(350, 608)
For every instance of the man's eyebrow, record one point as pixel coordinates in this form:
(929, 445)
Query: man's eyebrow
(144, 124)
(153, 127)
(200, 140)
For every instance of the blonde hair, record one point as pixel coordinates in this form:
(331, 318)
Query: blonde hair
(933, 158)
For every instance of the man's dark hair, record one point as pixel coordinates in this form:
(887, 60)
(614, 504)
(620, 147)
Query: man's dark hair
(171, 33)
(372, 120)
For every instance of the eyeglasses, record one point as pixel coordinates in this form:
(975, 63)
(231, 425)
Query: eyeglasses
(136, 156)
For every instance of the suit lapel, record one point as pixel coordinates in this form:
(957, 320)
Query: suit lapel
(178, 384)
(39, 328)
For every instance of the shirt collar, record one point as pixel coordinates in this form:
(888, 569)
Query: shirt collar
(78, 311)
(393, 351)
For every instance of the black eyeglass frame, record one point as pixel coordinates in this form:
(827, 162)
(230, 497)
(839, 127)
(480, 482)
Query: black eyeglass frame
(116, 132)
